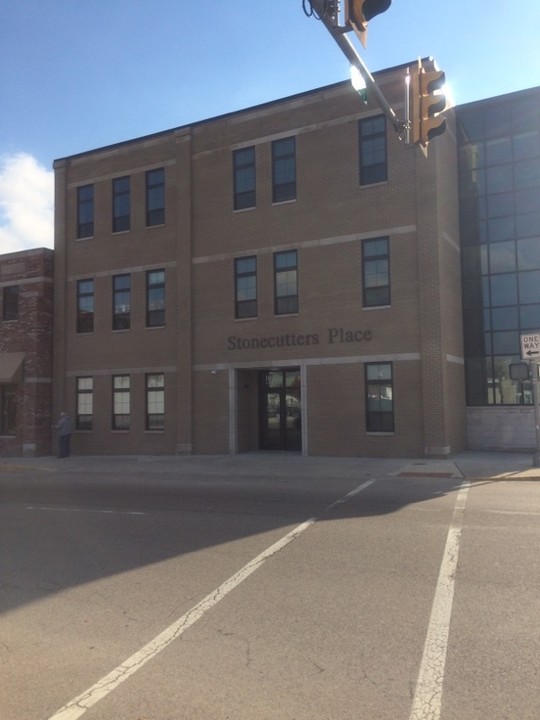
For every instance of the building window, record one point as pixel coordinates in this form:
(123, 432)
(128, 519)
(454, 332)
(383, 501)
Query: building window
(121, 302)
(286, 282)
(283, 170)
(379, 397)
(10, 308)
(245, 278)
(121, 402)
(155, 401)
(121, 204)
(373, 165)
(85, 306)
(155, 197)
(85, 403)
(8, 410)
(376, 272)
(85, 211)
(155, 298)
(244, 178)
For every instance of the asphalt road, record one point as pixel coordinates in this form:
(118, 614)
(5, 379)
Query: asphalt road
(207, 597)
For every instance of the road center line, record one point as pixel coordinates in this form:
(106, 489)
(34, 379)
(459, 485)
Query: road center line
(427, 702)
(83, 510)
(78, 706)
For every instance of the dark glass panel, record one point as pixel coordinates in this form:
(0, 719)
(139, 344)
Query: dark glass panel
(527, 145)
(527, 225)
(527, 201)
(504, 318)
(499, 178)
(500, 204)
(529, 316)
(476, 374)
(529, 287)
(471, 125)
(526, 114)
(498, 151)
(527, 174)
(505, 343)
(502, 257)
(503, 289)
(501, 228)
(528, 253)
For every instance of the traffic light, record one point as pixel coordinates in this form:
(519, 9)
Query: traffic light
(427, 103)
(359, 12)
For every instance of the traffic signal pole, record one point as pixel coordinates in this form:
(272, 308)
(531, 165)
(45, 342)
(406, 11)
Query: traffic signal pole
(330, 20)
(536, 400)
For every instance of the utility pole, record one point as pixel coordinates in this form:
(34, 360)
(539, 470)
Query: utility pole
(530, 353)
(424, 100)
(536, 401)
(327, 11)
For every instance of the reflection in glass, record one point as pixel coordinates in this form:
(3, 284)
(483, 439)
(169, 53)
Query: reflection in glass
(529, 287)
(505, 318)
(504, 289)
(528, 253)
(529, 316)
(502, 257)
(505, 343)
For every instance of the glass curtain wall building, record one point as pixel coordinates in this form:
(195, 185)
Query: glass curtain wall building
(499, 165)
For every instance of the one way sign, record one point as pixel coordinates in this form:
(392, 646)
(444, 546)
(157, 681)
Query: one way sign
(530, 346)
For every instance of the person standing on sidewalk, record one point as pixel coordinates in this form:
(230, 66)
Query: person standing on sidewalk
(65, 429)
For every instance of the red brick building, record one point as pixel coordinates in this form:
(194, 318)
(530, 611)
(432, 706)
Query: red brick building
(26, 312)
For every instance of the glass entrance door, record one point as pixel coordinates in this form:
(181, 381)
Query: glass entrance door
(281, 419)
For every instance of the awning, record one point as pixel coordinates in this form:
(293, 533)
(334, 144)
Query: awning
(11, 364)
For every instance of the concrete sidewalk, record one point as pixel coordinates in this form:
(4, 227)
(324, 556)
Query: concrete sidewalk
(468, 464)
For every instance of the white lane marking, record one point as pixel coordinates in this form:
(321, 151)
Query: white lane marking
(78, 706)
(534, 513)
(427, 700)
(83, 510)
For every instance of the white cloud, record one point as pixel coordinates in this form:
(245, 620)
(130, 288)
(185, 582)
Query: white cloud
(26, 204)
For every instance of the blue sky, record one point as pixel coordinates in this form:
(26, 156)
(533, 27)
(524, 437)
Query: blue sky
(79, 75)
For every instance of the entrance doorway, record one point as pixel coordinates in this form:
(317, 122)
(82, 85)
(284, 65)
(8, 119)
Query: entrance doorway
(280, 413)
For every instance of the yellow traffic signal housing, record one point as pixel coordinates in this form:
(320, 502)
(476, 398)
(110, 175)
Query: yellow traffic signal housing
(359, 12)
(427, 103)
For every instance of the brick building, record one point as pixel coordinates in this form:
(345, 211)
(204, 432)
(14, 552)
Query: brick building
(286, 277)
(26, 311)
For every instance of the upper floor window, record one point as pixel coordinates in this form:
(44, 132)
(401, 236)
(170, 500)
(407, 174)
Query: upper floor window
(155, 298)
(379, 397)
(373, 162)
(85, 306)
(121, 302)
(244, 178)
(155, 197)
(10, 307)
(245, 279)
(121, 204)
(286, 282)
(85, 211)
(85, 403)
(376, 272)
(283, 170)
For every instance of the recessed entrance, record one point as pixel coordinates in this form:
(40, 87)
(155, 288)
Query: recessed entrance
(280, 413)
